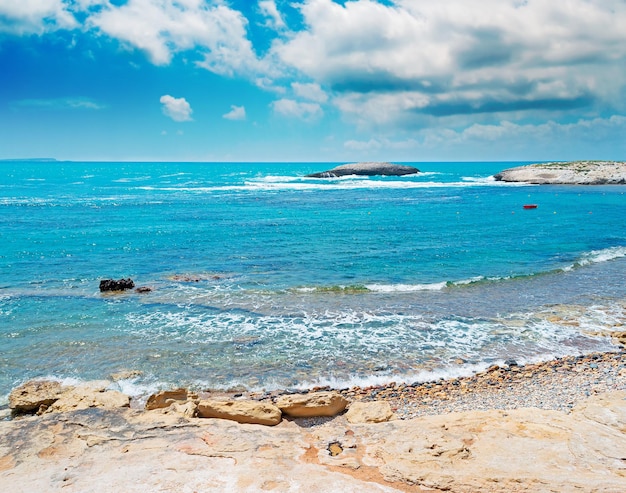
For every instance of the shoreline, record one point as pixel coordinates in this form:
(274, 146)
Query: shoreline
(554, 426)
(557, 384)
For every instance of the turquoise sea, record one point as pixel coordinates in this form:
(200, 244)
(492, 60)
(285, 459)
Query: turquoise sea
(262, 278)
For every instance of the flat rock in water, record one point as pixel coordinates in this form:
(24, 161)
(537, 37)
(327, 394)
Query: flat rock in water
(570, 173)
(367, 169)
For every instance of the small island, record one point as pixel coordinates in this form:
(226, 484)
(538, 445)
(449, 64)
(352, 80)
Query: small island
(367, 169)
(567, 173)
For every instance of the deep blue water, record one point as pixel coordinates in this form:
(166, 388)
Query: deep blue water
(263, 278)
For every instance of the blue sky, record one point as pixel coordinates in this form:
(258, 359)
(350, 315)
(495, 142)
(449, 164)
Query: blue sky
(313, 80)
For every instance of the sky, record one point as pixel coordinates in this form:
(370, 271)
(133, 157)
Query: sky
(313, 80)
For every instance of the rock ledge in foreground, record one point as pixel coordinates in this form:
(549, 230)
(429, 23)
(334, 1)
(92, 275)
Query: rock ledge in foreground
(567, 173)
(367, 169)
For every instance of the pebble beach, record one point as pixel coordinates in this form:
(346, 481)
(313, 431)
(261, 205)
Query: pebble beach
(556, 385)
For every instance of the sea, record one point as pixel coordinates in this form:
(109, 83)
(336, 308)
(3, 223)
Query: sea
(260, 278)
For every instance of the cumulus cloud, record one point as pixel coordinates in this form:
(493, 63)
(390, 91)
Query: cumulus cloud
(310, 91)
(297, 109)
(178, 109)
(162, 28)
(273, 18)
(455, 58)
(35, 16)
(236, 113)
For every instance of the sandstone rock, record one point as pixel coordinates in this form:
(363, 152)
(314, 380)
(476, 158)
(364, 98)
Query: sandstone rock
(34, 394)
(521, 450)
(369, 412)
(312, 405)
(165, 398)
(88, 396)
(251, 412)
(113, 285)
(366, 169)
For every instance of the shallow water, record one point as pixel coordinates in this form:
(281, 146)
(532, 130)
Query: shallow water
(263, 278)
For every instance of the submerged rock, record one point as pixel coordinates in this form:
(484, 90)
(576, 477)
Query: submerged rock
(113, 285)
(367, 169)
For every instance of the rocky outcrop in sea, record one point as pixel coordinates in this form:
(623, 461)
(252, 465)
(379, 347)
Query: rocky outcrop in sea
(567, 173)
(367, 169)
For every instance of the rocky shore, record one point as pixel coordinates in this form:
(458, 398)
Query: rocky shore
(567, 173)
(554, 426)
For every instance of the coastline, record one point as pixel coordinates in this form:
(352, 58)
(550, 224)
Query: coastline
(508, 429)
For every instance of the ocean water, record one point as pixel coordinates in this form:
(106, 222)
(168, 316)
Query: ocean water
(262, 278)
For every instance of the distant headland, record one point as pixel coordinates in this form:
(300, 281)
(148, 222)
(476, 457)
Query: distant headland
(367, 169)
(567, 173)
(30, 160)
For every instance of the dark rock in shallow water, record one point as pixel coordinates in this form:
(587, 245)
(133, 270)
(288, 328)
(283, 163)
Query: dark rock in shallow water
(367, 169)
(113, 285)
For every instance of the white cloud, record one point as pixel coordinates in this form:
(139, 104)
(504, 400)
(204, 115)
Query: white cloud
(236, 113)
(164, 27)
(77, 103)
(273, 18)
(296, 109)
(178, 109)
(34, 16)
(458, 58)
(310, 91)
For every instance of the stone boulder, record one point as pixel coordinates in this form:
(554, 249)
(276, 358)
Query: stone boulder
(369, 412)
(113, 285)
(311, 405)
(367, 169)
(39, 396)
(166, 398)
(34, 395)
(250, 412)
(93, 394)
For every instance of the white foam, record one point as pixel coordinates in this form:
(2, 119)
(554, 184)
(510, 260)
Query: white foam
(597, 256)
(406, 288)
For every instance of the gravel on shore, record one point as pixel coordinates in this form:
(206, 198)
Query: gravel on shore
(558, 384)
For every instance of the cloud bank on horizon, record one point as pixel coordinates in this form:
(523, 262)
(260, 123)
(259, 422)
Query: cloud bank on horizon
(362, 78)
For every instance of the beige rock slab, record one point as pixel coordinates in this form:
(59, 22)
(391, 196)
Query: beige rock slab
(526, 450)
(251, 412)
(369, 412)
(85, 396)
(315, 404)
